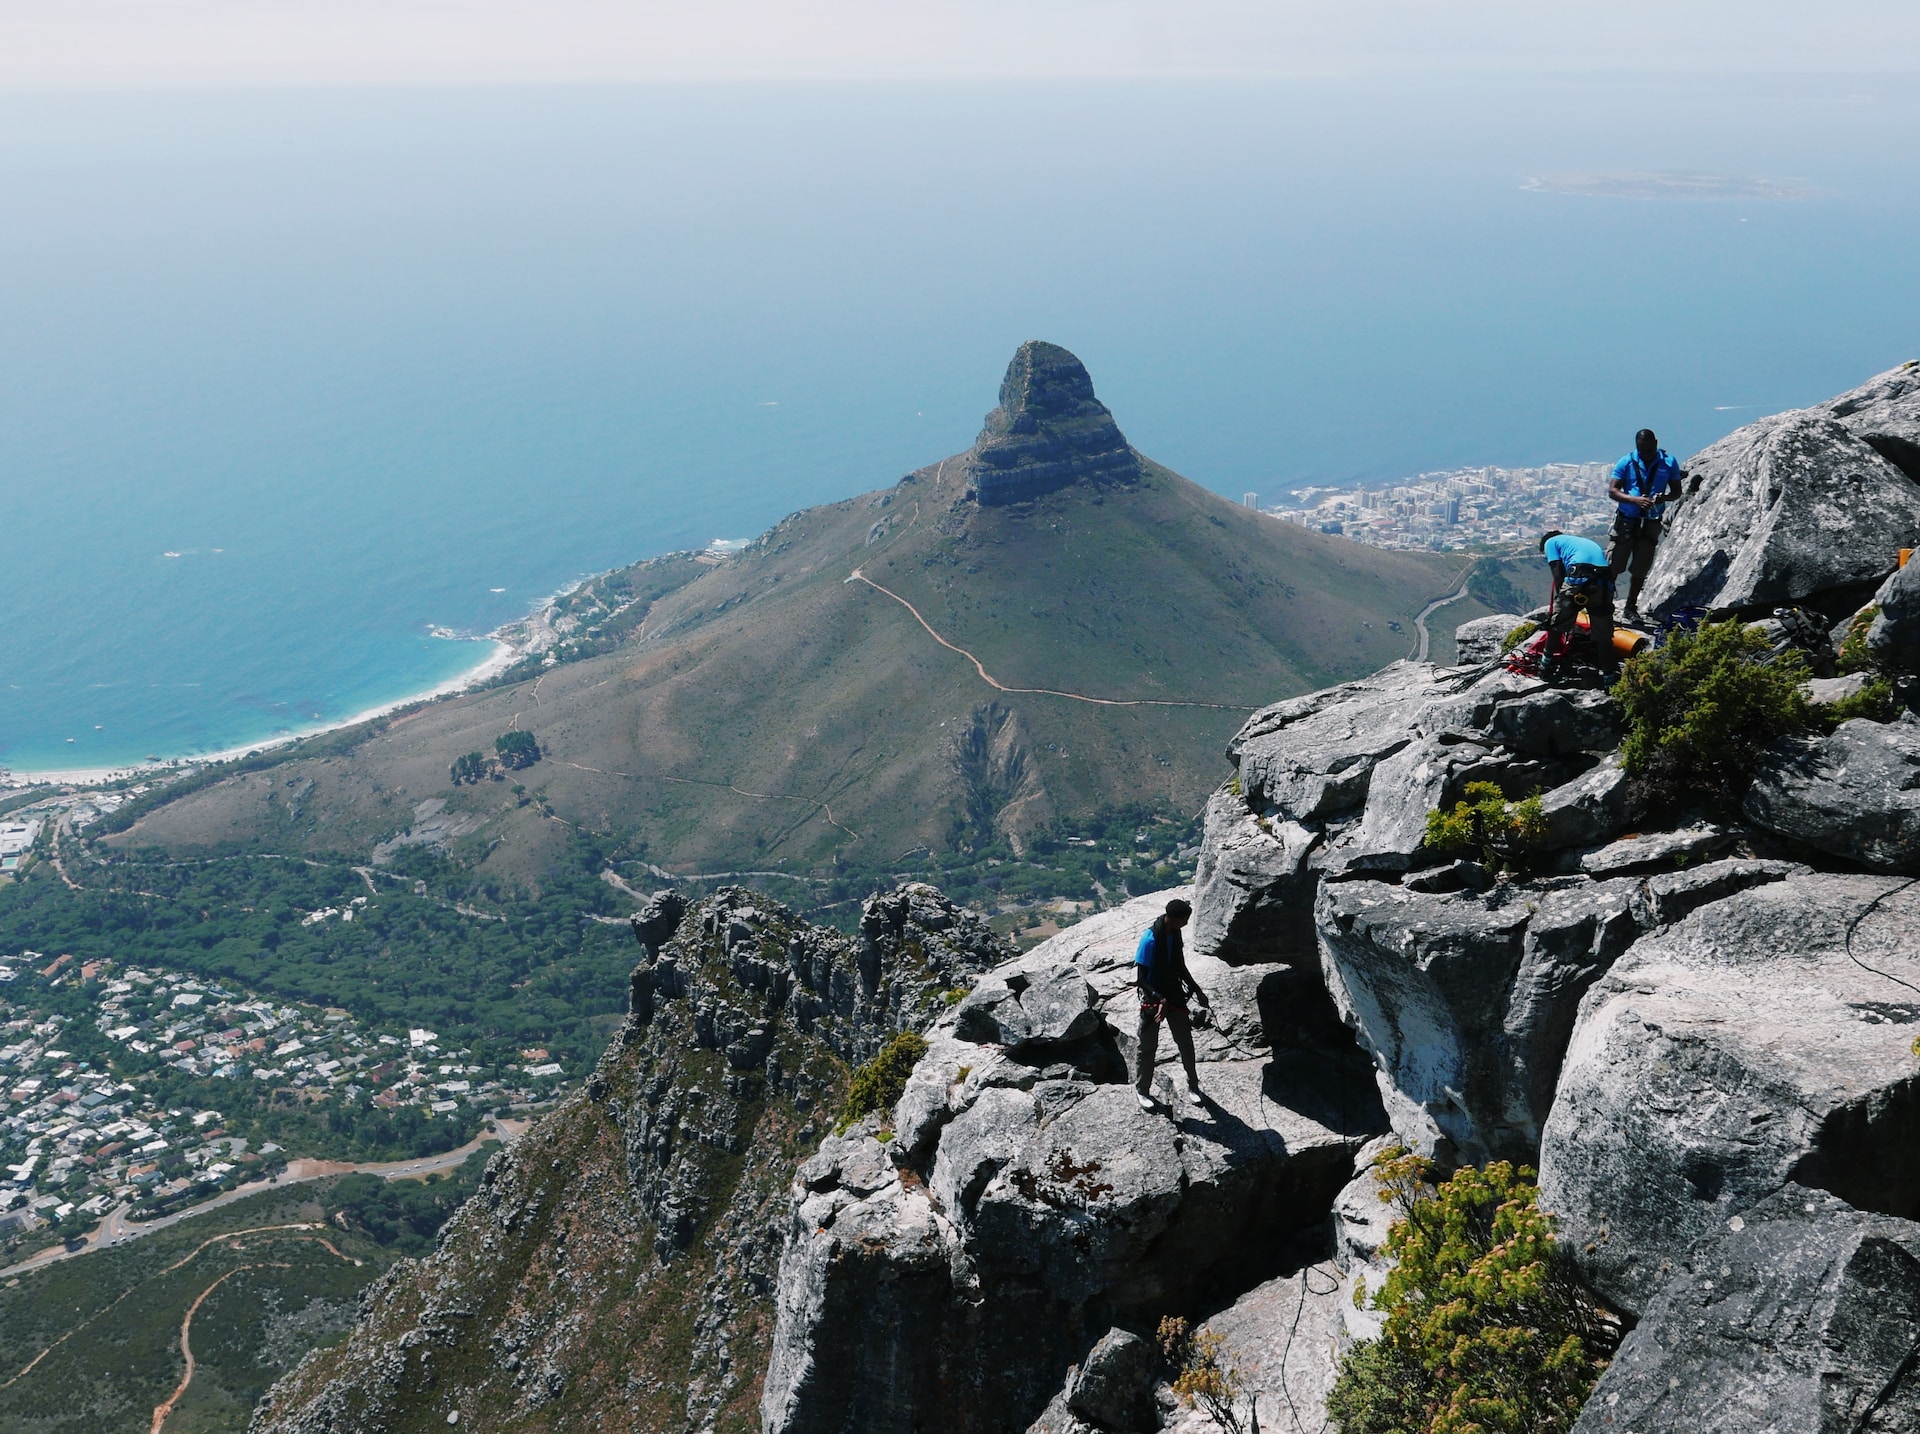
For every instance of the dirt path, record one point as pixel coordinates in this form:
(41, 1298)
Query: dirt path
(987, 677)
(60, 829)
(185, 1259)
(161, 1411)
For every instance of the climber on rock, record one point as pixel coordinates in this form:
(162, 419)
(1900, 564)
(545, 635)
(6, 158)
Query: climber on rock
(1160, 970)
(1581, 579)
(1643, 483)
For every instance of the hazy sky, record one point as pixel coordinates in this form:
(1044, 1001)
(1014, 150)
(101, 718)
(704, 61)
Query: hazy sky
(114, 43)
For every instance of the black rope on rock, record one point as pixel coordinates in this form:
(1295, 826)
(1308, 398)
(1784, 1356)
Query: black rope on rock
(1854, 925)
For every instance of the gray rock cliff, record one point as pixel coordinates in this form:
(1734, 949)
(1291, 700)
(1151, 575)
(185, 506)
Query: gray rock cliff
(1048, 432)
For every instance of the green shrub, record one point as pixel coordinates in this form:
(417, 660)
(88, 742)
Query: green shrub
(877, 1084)
(1518, 635)
(1874, 702)
(1854, 654)
(1496, 830)
(472, 767)
(1702, 708)
(1488, 1331)
(517, 749)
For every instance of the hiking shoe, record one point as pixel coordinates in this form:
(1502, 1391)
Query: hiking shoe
(1194, 1097)
(1632, 618)
(1148, 1103)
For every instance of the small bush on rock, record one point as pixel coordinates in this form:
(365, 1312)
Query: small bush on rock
(1516, 636)
(1855, 655)
(1200, 1376)
(1875, 702)
(1702, 708)
(1488, 1330)
(1498, 831)
(878, 1084)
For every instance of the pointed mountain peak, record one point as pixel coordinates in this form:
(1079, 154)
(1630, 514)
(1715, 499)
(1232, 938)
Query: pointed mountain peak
(1048, 432)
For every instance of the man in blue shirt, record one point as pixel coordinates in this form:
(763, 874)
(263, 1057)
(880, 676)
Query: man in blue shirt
(1581, 579)
(1642, 483)
(1160, 971)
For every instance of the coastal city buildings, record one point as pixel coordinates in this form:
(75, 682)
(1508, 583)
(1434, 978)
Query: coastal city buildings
(1463, 508)
(92, 1114)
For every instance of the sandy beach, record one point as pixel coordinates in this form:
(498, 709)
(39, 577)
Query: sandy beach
(503, 655)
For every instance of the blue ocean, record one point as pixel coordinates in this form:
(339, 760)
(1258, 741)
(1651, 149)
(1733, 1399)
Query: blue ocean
(289, 379)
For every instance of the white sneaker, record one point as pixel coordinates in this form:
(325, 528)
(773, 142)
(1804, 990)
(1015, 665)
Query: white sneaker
(1194, 1097)
(1147, 1102)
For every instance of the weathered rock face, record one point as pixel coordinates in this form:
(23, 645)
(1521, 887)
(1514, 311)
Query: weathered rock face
(1855, 794)
(1765, 1038)
(1788, 509)
(1049, 431)
(654, 1200)
(1466, 1001)
(1885, 412)
(1029, 1203)
(1800, 1314)
(1894, 636)
(1341, 781)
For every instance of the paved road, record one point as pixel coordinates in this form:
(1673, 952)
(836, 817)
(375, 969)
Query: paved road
(116, 1229)
(1420, 622)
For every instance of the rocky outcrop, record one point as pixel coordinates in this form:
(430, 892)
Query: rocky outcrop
(1340, 781)
(648, 1211)
(1797, 506)
(1030, 1204)
(1894, 636)
(1801, 1313)
(1049, 431)
(1885, 412)
(1767, 1037)
(1484, 638)
(1854, 794)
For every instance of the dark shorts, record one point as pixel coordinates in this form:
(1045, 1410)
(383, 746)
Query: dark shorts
(1631, 545)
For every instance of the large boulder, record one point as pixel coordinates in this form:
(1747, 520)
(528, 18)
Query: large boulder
(1885, 412)
(1466, 1001)
(1029, 1007)
(1791, 508)
(1484, 638)
(1765, 1038)
(1254, 884)
(1854, 794)
(1894, 637)
(1800, 1314)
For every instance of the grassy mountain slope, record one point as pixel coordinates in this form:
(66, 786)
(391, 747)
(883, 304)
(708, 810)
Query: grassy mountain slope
(771, 713)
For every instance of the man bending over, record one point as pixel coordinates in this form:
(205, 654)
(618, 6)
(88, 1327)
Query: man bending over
(1581, 579)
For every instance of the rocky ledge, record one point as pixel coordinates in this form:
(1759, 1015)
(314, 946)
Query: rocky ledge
(1700, 1028)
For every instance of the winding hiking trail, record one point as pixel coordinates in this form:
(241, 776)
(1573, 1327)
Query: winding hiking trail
(987, 677)
(185, 1259)
(162, 1410)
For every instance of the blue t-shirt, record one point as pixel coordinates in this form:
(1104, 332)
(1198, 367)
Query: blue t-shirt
(1630, 475)
(1566, 549)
